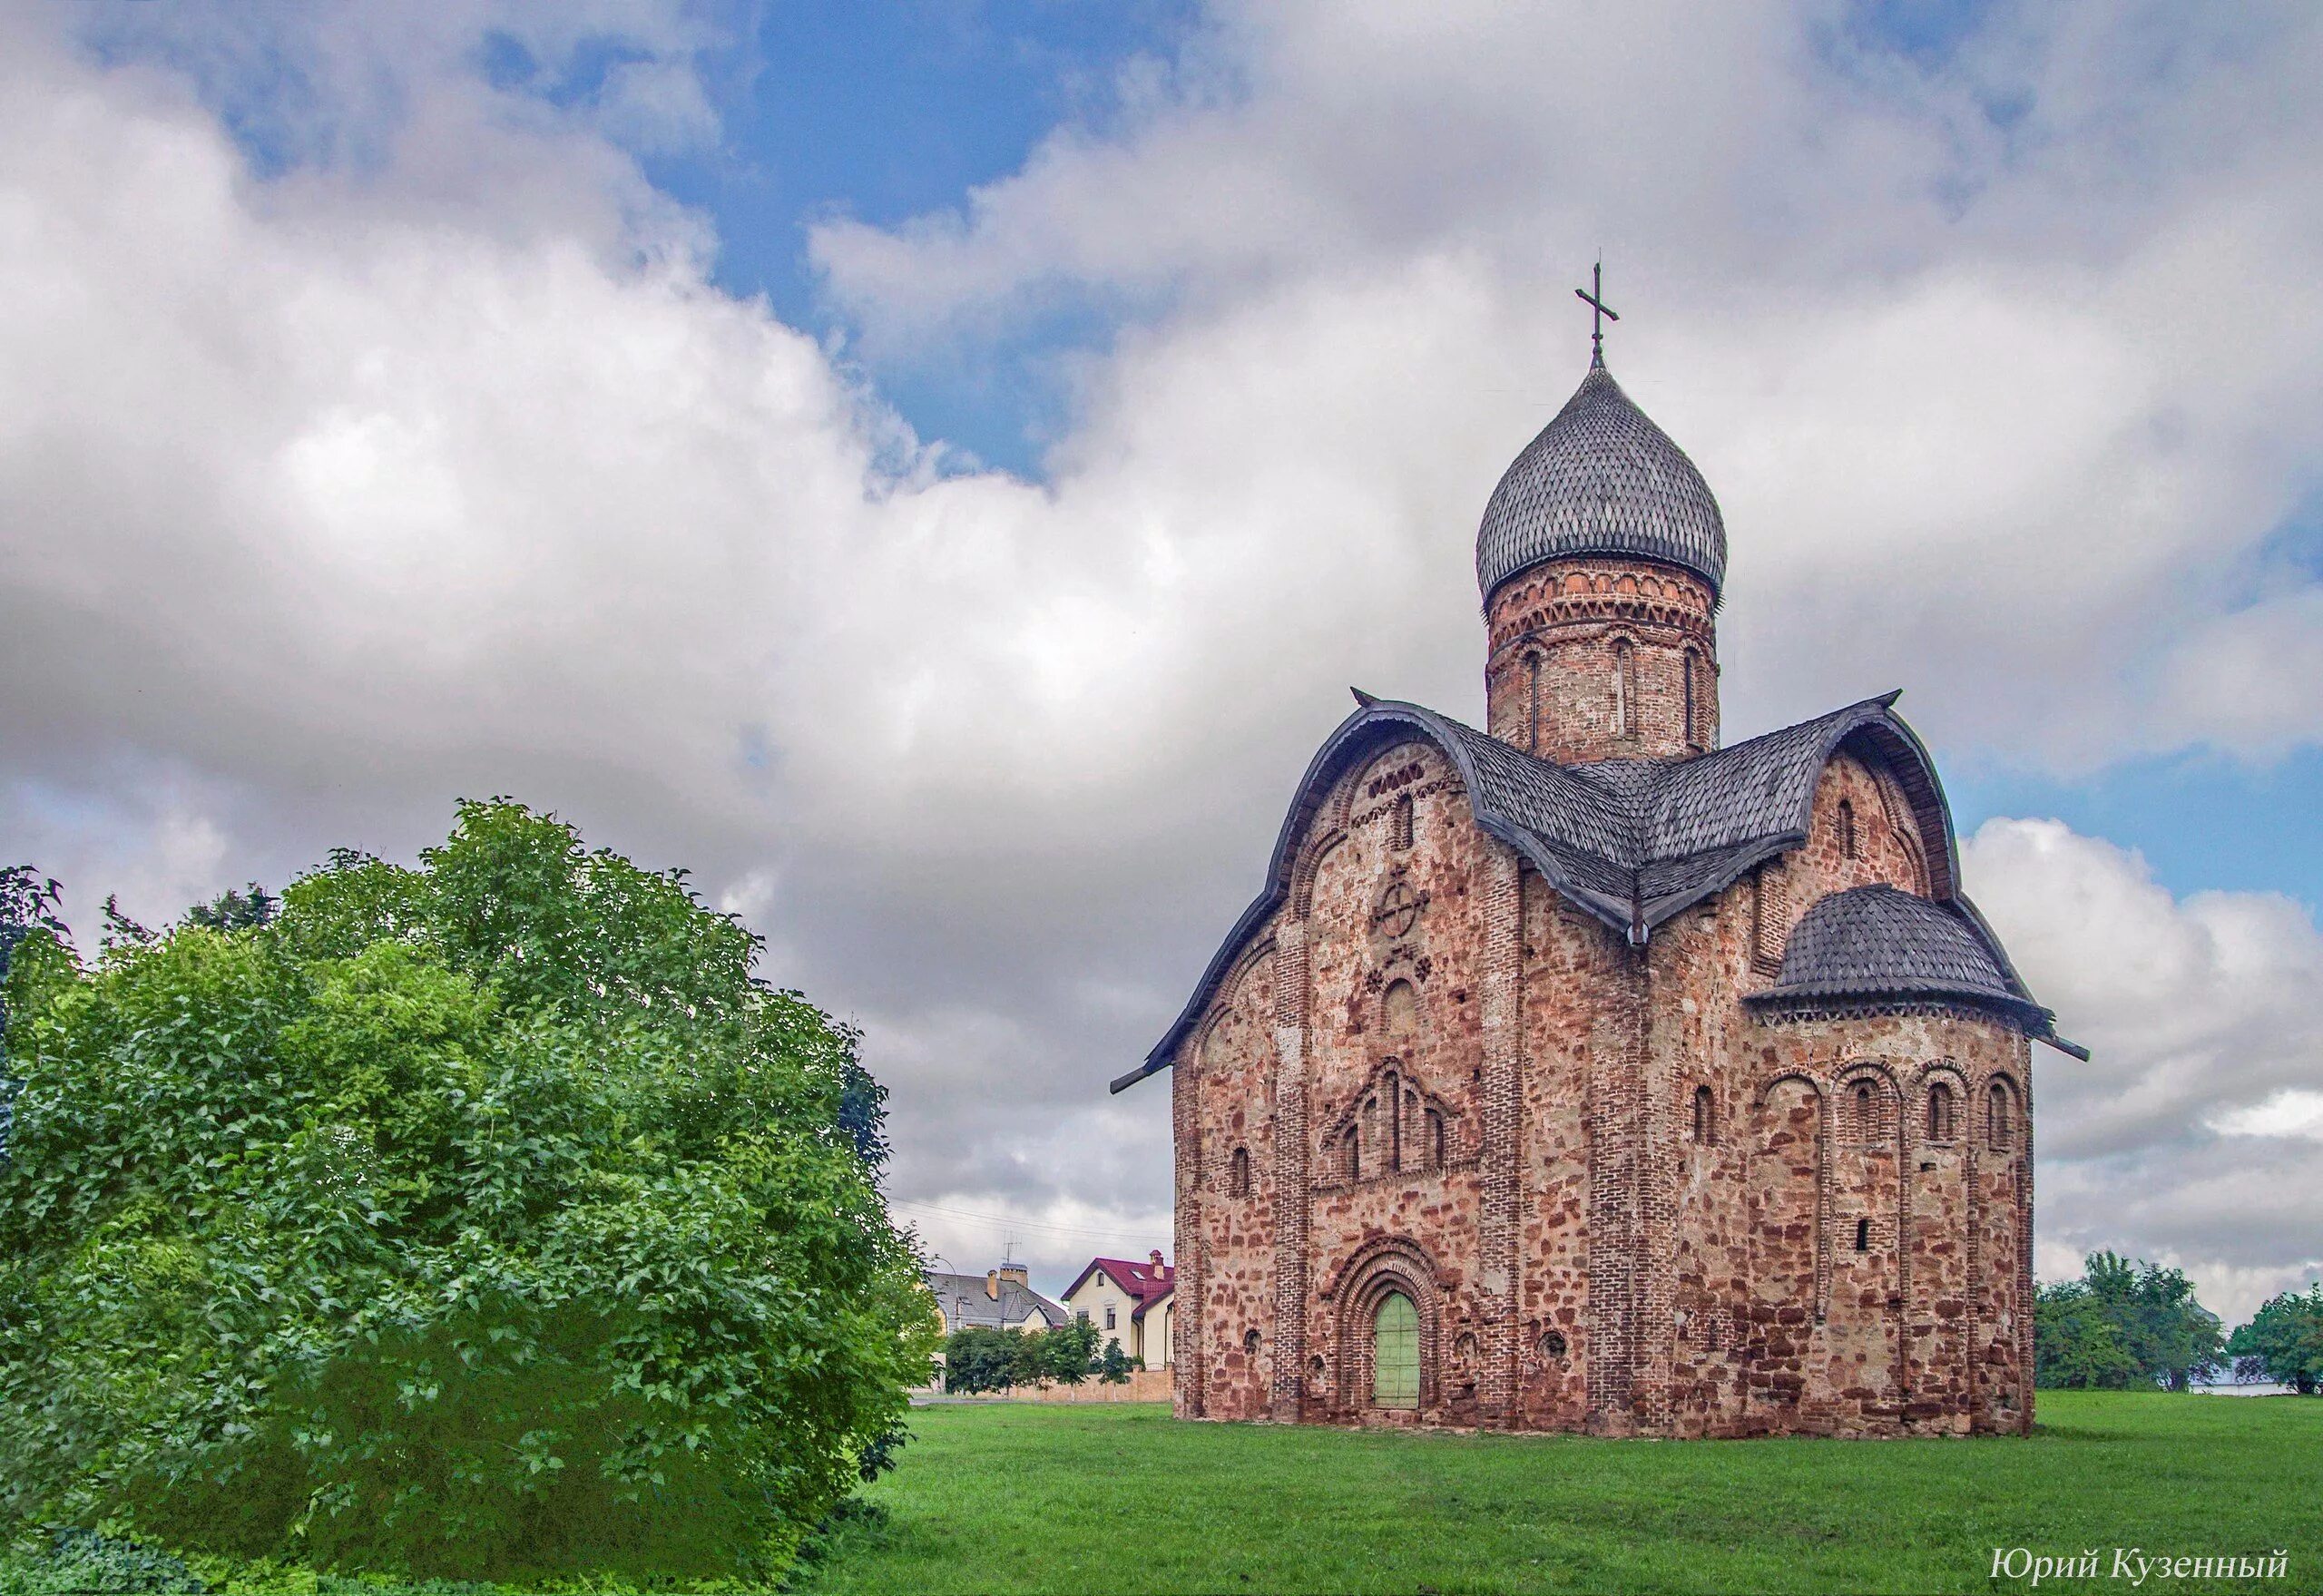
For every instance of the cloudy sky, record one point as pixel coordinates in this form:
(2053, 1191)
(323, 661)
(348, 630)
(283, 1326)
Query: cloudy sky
(936, 474)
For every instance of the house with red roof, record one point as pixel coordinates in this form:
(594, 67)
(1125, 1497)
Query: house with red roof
(1131, 1303)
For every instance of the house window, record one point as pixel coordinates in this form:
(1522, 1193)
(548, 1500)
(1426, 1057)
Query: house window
(1624, 689)
(1395, 1353)
(1238, 1178)
(1702, 1106)
(1082, 1314)
(1109, 1315)
(1847, 829)
(1939, 1113)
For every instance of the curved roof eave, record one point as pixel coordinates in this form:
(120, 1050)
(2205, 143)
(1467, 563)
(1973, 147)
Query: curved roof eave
(1875, 718)
(2046, 1031)
(1355, 735)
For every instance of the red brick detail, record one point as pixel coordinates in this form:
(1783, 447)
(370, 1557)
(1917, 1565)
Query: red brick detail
(1555, 683)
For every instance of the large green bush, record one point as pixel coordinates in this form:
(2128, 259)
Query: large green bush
(485, 1219)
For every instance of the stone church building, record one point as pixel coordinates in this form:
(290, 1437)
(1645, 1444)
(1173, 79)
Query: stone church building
(1581, 1072)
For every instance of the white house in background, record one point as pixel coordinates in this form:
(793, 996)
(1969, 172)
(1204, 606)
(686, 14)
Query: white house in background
(997, 1299)
(1129, 1303)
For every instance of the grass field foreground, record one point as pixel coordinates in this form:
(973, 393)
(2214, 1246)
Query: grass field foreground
(1029, 1499)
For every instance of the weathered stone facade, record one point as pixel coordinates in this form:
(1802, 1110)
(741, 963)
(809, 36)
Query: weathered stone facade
(1636, 1174)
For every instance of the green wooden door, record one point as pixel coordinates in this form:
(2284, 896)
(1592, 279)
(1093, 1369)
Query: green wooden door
(1395, 1353)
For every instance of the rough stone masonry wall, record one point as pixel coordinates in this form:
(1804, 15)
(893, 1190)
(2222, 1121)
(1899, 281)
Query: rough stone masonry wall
(1776, 1321)
(1552, 669)
(1402, 1128)
(1580, 1256)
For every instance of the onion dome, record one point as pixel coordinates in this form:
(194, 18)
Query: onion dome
(1601, 479)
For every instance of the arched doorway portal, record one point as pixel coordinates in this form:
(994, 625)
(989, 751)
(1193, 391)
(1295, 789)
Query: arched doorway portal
(1395, 1352)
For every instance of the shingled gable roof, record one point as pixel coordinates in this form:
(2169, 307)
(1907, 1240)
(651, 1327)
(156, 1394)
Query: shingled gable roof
(1147, 1282)
(1632, 842)
(965, 1301)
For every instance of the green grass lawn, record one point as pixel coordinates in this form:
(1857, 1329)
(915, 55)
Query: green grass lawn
(1122, 1498)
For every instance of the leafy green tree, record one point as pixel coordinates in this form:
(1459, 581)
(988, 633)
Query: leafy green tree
(978, 1359)
(1028, 1356)
(2124, 1324)
(30, 903)
(2076, 1344)
(1114, 1368)
(236, 911)
(485, 1219)
(2284, 1340)
(1070, 1352)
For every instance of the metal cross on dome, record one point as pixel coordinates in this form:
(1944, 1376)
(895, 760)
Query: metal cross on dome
(1600, 312)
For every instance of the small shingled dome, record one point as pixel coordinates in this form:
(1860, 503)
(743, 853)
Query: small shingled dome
(1876, 942)
(1601, 479)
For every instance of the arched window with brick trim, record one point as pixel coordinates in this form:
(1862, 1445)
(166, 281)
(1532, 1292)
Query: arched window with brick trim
(1863, 1235)
(1939, 1112)
(1399, 824)
(1624, 687)
(1533, 718)
(1847, 829)
(1697, 690)
(1703, 1116)
(1766, 917)
(1867, 1113)
(1238, 1178)
(2000, 1127)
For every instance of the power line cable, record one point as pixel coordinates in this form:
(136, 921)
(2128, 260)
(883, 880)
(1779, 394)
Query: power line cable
(959, 1213)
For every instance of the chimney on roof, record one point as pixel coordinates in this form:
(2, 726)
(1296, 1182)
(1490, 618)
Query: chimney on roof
(1157, 1263)
(992, 1284)
(1018, 1273)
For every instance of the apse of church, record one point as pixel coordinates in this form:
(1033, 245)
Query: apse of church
(1582, 1074)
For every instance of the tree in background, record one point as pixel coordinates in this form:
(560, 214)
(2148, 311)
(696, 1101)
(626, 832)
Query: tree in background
(29, 903)
(2122, 1325)
(485, 1219)
(1114, 1368)
(2077, 1346)
(978, 1359)
(2284, 1341)
(1071, 1351)
(236, 911)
